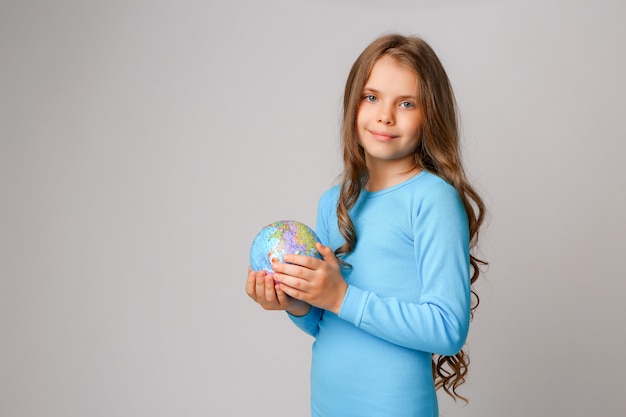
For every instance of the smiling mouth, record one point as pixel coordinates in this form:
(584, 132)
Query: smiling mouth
(382, 136)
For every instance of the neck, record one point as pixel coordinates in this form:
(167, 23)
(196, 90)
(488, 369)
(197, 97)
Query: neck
(384, 175)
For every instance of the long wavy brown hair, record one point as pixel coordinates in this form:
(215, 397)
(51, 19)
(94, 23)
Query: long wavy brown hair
(438, 152)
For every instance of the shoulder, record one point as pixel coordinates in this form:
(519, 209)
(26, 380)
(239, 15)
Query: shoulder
(330, 197)
(428, 179)
(437, 197)
(432, 188)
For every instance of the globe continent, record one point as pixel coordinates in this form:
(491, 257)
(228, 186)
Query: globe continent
(280, 238)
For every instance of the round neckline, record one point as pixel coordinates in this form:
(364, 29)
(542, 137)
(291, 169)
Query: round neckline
(371, 194)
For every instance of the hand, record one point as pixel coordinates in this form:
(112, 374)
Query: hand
(314, 281)
(261, 288)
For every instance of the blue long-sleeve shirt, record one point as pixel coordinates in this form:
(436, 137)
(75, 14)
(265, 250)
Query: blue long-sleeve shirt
(408, 297)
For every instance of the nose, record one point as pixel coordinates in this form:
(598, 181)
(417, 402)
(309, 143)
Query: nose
(386, 116)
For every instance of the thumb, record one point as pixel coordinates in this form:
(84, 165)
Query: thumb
(327, 253)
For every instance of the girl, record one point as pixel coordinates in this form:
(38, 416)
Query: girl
(389, 306)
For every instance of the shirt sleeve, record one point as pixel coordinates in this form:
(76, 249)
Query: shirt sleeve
(439, 321)
(309, 323)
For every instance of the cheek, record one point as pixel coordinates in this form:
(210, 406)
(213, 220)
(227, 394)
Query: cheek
(360, 117)
(360, 124)
(415, 125)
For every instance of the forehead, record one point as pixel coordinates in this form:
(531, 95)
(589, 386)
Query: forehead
(390, 74)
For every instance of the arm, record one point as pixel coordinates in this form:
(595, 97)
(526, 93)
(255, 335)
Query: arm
(439, 321)
(308, 323)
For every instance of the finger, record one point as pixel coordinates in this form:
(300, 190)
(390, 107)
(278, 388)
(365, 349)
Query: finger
(292, 292)
(270, 292)
(251, 282)
(287, 269)
(293, 281)
(282, 298)
(300, 260)
(327, 253)
(259, 285)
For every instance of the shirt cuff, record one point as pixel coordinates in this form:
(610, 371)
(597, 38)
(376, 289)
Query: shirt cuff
(309, 319)
(353, 305)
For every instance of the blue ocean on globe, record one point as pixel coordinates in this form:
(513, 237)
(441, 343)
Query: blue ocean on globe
(279, 238)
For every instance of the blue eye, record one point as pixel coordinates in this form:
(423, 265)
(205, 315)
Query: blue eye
(369, 97)
(407, 105)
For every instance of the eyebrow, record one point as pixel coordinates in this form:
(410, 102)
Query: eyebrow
(373, 90)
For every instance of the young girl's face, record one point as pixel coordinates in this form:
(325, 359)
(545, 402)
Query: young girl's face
(389, 118)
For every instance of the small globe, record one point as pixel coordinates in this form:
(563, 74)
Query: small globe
(280, 238)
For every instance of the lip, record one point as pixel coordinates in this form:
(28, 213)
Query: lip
(382, 136)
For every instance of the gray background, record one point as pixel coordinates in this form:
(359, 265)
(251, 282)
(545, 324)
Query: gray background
(145, 143)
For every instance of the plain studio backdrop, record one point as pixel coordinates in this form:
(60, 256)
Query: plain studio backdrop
(145, 143)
